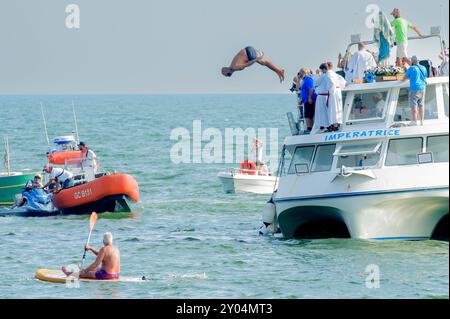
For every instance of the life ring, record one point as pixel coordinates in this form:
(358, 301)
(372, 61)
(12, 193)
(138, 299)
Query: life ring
(248, 167)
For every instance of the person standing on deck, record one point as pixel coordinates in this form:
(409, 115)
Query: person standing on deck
(308, 98)
(361, 61)
(247, 57)
(335, 104)
(417, 75)
(89, 159)
(401, 27)
(323, 86)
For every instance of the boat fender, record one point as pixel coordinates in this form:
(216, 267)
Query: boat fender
(269, 213)
(268, 218)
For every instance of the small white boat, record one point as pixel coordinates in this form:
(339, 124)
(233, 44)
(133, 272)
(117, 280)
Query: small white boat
(236, 181)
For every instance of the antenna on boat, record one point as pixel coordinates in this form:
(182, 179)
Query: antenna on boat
(45, 124)
(6, 162)
(75, 120)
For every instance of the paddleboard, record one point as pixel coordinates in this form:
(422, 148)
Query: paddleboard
(57, 276)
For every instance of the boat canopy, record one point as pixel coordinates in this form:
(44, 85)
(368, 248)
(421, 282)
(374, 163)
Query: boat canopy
(64, 140)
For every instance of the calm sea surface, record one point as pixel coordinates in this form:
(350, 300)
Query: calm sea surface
(186, 235)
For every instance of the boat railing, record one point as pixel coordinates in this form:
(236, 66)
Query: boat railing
(241, 171)
(435, 32)
(79, 168)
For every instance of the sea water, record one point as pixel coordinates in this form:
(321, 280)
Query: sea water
(190, 238)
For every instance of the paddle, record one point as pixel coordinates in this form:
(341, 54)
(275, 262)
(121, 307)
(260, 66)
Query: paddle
(92, 221)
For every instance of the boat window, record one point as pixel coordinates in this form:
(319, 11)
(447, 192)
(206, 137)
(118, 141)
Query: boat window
(403, 110)
(357, 148)
(323, 158)
(302, 155)
(358, 154)
(431, 109)
(445, 89)
(368, 105)
(286, 160)
(404, 151)
(359, 160)
(438, 145)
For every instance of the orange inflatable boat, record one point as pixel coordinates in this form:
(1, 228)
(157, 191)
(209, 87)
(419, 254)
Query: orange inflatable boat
(108, 193)
(59, 158)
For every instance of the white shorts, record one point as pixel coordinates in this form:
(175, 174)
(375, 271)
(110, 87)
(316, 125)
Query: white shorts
(402, 50)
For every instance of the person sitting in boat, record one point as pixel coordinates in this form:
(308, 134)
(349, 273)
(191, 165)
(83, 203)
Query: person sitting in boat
(379, 104)
(28, 189)
(247, 57)
(33, 193)
(60, 176)
(360, 111)
(37, 181)
(89, 157)
(109, 259)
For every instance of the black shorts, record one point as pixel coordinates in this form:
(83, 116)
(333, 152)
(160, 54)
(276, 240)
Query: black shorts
(310, 110)
(252, 55)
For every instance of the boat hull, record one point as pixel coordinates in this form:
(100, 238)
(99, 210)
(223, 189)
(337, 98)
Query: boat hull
(241, 183)
(12, 185)
(402, 214)
(105, 194)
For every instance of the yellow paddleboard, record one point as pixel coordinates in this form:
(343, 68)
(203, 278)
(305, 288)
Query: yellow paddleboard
(57, 276)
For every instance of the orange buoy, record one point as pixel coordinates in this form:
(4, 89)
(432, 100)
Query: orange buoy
(248, 167)
(59, 158)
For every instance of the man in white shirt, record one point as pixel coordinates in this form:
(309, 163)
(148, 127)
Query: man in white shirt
(335, 105)
(89, 157)
(361, 62)
(59, 175)
(323, 87)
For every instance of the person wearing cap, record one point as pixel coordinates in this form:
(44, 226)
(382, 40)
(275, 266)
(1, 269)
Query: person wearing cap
(89, 157)
(417, 75)
(59, 175)
(401, 27)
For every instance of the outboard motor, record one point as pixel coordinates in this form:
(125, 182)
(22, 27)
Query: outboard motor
(269, 215)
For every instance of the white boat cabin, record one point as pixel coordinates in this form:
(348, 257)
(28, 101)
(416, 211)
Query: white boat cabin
(375, 132)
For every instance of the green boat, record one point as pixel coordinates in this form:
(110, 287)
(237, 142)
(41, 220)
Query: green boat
(11, 183)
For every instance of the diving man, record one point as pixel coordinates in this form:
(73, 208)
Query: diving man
(247, 57)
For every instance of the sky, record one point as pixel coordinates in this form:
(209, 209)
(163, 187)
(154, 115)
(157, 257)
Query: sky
(179, 46)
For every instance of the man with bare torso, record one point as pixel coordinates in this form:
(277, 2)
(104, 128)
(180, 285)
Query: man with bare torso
(247, 57)
(109, 259)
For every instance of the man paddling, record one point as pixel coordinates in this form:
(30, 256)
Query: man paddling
(109, 259)
(247, 57)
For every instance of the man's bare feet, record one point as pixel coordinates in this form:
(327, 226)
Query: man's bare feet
(64, 270)
(281, 75)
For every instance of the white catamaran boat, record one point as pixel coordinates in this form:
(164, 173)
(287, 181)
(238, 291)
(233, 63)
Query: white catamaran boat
(376, 178)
